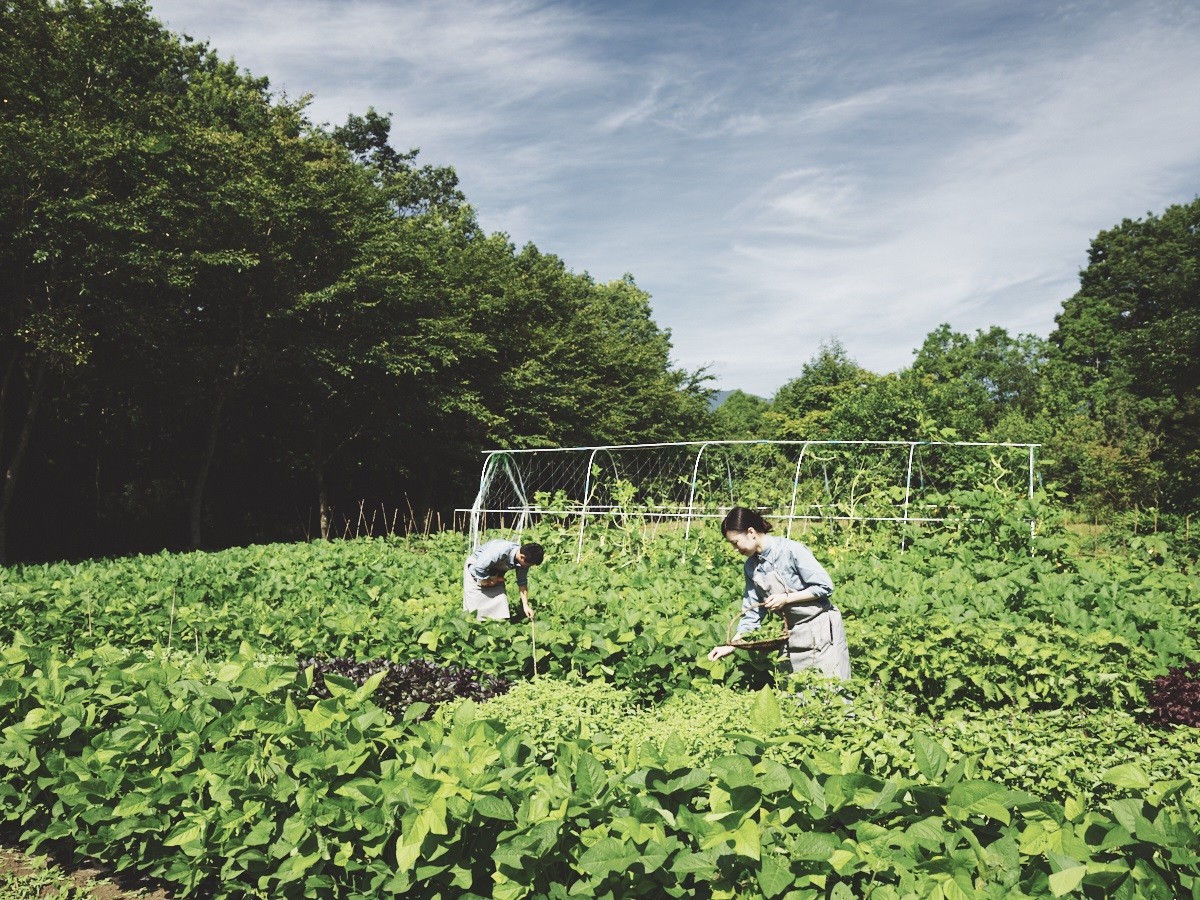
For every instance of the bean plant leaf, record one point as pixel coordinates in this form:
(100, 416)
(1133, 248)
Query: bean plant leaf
(1129, 775)
(1067, 880)
(982, 798)
(774, 877)
(608, 855)
(734, 771)
(814, 846)
(765, 715)
(317, 719)
(702, 864)
(493, 807)
(590, 779)
(931, 757)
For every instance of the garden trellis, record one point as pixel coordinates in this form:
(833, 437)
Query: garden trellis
(793, 482)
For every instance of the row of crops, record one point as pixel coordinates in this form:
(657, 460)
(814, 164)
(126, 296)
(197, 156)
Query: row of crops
(281, 721)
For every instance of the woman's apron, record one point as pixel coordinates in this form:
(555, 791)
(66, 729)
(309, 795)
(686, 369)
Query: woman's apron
(816, 636)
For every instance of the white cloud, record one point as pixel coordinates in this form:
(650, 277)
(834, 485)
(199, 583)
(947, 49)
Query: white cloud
(775, 175)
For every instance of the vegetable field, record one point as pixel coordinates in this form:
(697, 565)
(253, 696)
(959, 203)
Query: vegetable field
(322, 720)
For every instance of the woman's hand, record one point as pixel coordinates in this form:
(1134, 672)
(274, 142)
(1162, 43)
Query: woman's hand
(777, 602)
(718, 652)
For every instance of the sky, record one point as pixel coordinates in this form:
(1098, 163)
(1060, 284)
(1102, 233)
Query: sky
(777, 175)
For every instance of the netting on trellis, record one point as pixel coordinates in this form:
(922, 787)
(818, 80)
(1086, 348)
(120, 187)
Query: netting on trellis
(797, 481)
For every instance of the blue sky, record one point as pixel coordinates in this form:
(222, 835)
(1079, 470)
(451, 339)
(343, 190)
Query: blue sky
(775, 174)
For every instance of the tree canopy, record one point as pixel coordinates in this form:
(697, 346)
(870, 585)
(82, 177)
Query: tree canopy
(221, 322)
(1127, 345)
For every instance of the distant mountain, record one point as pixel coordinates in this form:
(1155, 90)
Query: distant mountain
(720, 397)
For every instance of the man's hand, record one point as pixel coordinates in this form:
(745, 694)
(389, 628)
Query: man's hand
(528, 610)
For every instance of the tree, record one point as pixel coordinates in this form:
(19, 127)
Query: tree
(89, 91)
(801, 409)
(370, 351)
(884, 408)
(971, 384)
(1130, 340)
(559, 359)
(740, 417)
(212, 310)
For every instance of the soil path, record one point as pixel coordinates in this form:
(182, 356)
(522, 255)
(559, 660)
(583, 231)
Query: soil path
(90, 879)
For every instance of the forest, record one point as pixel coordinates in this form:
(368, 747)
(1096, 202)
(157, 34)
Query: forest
(222, 323)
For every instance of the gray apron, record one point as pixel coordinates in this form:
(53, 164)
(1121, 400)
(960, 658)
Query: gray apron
(816, 635)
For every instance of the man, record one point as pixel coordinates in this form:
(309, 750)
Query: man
(483, 577)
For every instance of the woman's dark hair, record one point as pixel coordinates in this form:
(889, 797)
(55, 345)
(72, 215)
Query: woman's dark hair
(739, 519)
(533, 553)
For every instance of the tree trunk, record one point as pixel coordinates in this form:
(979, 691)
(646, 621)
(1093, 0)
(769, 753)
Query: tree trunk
(322, 496)
(36, 388)
(196, 510)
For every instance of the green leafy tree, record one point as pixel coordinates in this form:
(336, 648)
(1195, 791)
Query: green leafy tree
(212, 310)
(971, 384)
(1128, 343)
(570, 361)
(740, 416)
(801, 409)
(885, 408)
(371, 352)
(635, 392)
(86, 133)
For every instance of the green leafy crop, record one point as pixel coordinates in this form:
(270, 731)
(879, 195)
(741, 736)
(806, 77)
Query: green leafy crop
(995, 740)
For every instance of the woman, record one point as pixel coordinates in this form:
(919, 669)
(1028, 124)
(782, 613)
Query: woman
(783, 576)
(483, 577)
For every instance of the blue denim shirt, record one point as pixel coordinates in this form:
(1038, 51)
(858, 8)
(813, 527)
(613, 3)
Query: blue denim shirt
(795, 566)
(496, 558)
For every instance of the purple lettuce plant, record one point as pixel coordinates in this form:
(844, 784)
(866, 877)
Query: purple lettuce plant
(418, 681)
(1175, 697)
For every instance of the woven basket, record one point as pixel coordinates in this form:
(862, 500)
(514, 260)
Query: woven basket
(767, 643)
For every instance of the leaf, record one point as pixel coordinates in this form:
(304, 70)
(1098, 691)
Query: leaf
(747, 840)
(185, 834)
(260, 681)
(774, 777)
(702, 864)
(765, 714)
(429, 639)
(408, 851)
(1067, 880)
(608, 855)
(296, 867)
(929, 833)
(261, 833)
(492, 807)
(317, 719)
(590, 779)
(775, 876)
(982, 798)
(1129, 776)
(734, 771)
(416, 712)
(507, 889)
(931, 757)
(1074, 808)
(814, 846)
(953, 890)
(339, 685)
(369, 686)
